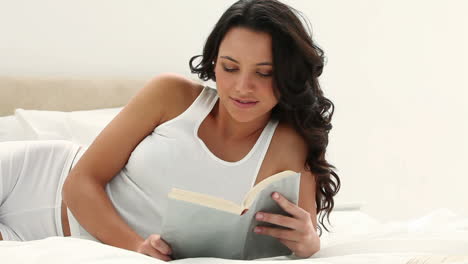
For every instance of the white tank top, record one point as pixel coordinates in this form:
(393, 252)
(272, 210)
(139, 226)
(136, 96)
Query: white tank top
(174, 156)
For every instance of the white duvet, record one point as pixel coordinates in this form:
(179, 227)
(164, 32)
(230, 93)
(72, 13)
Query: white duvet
(439, 237)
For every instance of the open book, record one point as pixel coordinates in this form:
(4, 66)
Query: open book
(200, 225)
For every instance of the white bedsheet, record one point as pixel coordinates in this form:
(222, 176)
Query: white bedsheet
(440, 233)
(72, 250)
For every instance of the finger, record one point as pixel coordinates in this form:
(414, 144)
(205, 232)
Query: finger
(278, 219)
(279, 233)
(160, 245)
(152, 252)
(288, 206)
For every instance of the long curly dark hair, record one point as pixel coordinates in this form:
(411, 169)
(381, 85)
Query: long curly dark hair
(297, 64)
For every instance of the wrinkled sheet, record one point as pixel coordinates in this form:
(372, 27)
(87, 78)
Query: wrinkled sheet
(439, 237)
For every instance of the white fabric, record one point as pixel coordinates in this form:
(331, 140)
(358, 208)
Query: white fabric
(11, 129)
(80, 127)
(31, 178)
(173, 156)
(353, 243)
(8, 233)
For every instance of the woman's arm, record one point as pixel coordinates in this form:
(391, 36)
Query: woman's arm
(84, 189)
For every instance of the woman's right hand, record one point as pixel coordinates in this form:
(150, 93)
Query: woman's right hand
(155, 247)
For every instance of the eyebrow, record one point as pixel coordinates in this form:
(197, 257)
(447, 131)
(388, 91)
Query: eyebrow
(261, 63)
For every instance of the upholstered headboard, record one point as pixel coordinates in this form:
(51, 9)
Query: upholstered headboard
(65, 94)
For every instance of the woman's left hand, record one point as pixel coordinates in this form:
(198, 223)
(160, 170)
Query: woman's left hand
(302, 238)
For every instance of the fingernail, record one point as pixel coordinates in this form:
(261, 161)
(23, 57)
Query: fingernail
(259, 216)
(275, 195)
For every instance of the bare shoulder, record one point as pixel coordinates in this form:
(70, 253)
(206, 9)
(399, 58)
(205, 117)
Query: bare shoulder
(175, 91)
(290, 148)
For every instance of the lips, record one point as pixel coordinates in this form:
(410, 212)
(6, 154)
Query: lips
(244, 103)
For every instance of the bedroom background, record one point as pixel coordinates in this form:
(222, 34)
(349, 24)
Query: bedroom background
(396, 72)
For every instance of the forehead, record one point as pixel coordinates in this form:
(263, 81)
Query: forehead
(246, 45)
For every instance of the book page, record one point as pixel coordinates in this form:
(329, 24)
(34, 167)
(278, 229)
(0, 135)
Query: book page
(226, 205)
(205, 200)
(252, 194)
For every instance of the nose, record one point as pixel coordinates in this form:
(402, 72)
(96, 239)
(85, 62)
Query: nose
(244, 84)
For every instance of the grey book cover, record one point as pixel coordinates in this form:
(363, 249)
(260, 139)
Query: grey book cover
(194, 230)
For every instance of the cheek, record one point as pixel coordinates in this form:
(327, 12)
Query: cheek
(223, 83)
(224, 76)
(268, 90)
(273, 101)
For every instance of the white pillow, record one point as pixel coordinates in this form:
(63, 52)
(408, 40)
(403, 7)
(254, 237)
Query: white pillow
(80, 127)
(12, 130)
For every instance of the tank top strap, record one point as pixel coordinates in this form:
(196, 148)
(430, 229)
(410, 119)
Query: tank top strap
(199, 108)
(202, 105)
(264, 143)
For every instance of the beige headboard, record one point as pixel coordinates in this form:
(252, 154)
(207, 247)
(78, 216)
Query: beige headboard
(64, 94)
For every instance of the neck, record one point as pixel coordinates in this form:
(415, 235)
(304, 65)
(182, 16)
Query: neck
(232, 130)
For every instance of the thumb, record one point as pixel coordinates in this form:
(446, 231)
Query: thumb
(160, 245)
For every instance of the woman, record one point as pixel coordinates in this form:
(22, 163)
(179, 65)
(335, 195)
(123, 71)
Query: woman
(267, 115)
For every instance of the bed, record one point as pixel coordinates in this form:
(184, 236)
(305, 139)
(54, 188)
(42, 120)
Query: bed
(78, 109)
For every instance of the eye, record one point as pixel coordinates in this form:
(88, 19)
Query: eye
(229, 69)
(265, 74)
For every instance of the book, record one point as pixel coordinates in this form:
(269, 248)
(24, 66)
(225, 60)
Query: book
(200, 225)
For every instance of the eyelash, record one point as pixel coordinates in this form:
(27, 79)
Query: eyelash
(259, 73)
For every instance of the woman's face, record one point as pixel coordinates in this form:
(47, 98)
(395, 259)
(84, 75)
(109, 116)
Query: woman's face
(243, 70)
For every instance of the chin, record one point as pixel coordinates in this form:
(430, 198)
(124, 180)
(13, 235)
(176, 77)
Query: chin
(240, 117)
(243, 118)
